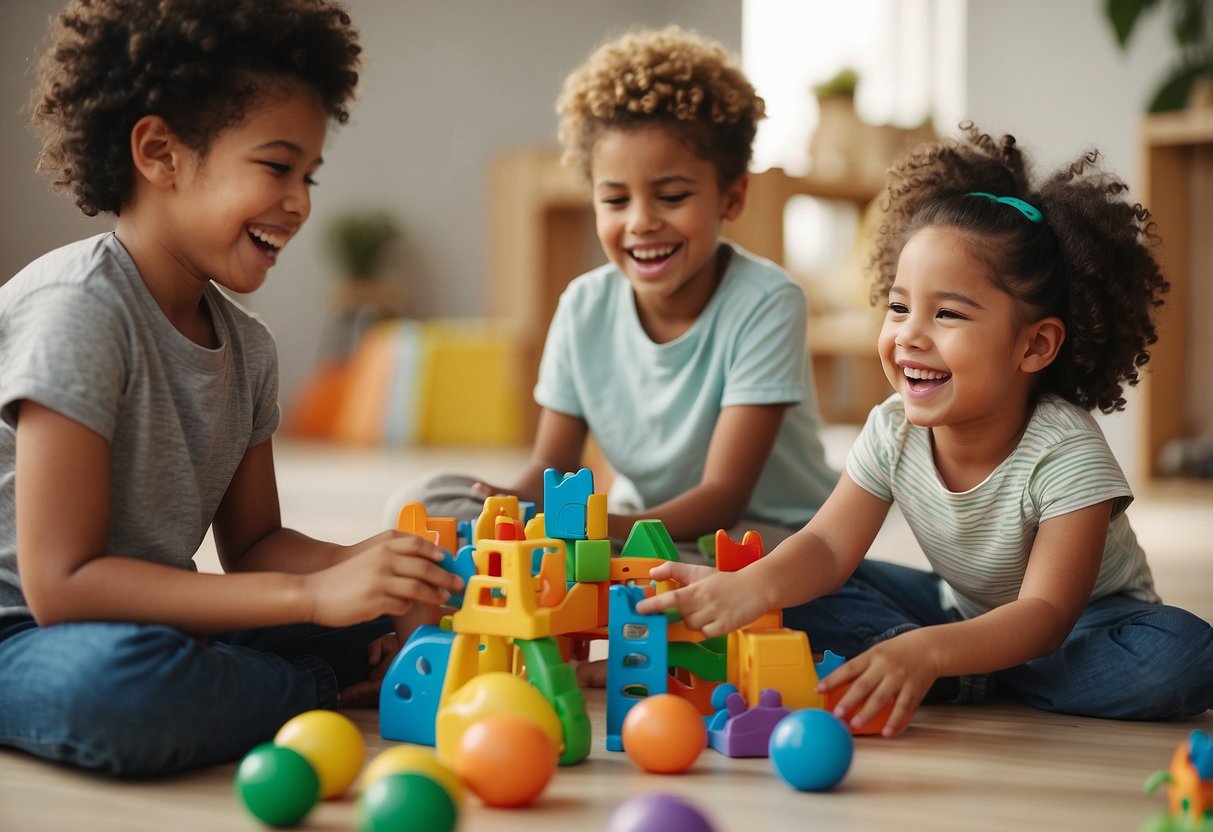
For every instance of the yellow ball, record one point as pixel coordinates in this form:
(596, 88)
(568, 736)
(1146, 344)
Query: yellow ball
(492, 693)
(402, 759)
(332, 743)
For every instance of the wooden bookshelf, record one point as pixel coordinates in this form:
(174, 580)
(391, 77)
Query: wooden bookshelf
(542, 236)
(1177, 187)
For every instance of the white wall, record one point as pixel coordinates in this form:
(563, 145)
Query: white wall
(1051, 74)
(448, 84)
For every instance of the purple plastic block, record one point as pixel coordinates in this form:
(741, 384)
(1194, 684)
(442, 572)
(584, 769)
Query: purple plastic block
(747, 732)
(658, 813)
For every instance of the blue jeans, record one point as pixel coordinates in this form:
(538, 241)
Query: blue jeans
(1124, 659)
(142, 700)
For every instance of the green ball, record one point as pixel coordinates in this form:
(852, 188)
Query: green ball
(406, 801)
(277, 785)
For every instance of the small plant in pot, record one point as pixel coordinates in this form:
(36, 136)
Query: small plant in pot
(1191, 76)
(361, 241)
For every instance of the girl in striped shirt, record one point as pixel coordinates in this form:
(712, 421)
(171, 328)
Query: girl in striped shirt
(1013, 311)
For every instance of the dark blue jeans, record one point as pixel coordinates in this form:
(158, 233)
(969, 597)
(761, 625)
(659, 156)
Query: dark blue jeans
(142, 700)
(1124, 659)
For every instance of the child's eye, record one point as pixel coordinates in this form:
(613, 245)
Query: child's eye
(615, 201)
(898, 308)
(674, 199)
(949, 315)
(278, 167)
(310, 181)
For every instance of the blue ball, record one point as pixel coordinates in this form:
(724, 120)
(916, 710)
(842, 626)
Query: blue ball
(811, 750)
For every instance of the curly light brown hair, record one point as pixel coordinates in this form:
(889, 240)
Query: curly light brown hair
(199, 64)
(1089, 262)
(669, 77)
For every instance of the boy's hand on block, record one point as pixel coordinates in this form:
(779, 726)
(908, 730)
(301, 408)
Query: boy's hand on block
(385, 577)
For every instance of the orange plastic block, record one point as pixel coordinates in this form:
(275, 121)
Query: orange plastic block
(732, 556)
(873, 726)
(413, 520)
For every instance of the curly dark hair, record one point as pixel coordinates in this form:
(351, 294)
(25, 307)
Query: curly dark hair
(1089, 262)
(672, 77)
(199, 64)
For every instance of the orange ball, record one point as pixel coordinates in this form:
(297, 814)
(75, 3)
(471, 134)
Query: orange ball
(507, 760)
(664, 734)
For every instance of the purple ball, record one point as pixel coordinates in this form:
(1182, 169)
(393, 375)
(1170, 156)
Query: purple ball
(658, 813)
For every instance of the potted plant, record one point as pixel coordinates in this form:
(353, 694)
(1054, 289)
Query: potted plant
(1192, 30)
(361, 241)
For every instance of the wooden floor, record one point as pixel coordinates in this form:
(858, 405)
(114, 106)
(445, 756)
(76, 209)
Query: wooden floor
(992, 767)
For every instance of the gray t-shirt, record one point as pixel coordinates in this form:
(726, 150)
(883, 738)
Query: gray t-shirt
(81, 334)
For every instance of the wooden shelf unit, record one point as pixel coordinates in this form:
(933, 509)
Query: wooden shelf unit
(1177, 188)
(542, 236)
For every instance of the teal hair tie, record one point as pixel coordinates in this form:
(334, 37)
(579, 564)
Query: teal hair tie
(1027, 209)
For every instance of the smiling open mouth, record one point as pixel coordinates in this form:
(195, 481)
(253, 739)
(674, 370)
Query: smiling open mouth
(267, 241)
(655, 255)
(922, 380)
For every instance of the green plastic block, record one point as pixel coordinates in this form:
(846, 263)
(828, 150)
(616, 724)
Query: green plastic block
(592, 560)
(649, 539)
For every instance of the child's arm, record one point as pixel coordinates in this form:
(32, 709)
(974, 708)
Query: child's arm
(815, 561)
(741, 443)
(63, 496)
(1061, 572)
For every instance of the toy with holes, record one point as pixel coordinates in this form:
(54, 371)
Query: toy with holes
(765, 663)
(527, 581)
(1189, 788)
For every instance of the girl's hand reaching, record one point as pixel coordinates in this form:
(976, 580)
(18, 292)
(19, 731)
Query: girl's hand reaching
(711, 602)
(897, 672)
(383, 576)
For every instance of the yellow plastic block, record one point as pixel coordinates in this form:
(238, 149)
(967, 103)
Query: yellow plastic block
(486, 523)
(503, 598)
(472, 388)
(534, 527)
(778, 659)
(596, 517)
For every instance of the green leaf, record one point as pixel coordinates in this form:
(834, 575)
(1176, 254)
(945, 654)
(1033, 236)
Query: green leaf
(1190, 20)
(1173, 94)
(1123, 15)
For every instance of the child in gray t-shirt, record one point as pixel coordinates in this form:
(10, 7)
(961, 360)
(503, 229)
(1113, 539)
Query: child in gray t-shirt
(137, 403)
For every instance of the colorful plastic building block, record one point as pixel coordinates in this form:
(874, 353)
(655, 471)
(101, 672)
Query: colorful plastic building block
(1189, 785)
(412, 688)
(732, 556)
(636, 659)
(649, 539)
(737, 731)
(566, 503)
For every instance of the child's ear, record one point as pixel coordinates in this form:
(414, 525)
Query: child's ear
(733, 199)
(1045, 338)
(156, 151)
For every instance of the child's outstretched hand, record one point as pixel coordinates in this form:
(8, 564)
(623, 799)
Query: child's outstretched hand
(899, 671)
(385, 575)
(712, 602)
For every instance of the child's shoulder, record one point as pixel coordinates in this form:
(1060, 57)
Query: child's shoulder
(87, 265)
(1055, 421)
(750, 272)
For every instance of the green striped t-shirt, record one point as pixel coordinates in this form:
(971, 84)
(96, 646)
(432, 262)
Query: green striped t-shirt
(979, 540)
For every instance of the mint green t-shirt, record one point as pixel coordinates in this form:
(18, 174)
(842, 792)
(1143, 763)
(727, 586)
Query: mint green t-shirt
(652, 407)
